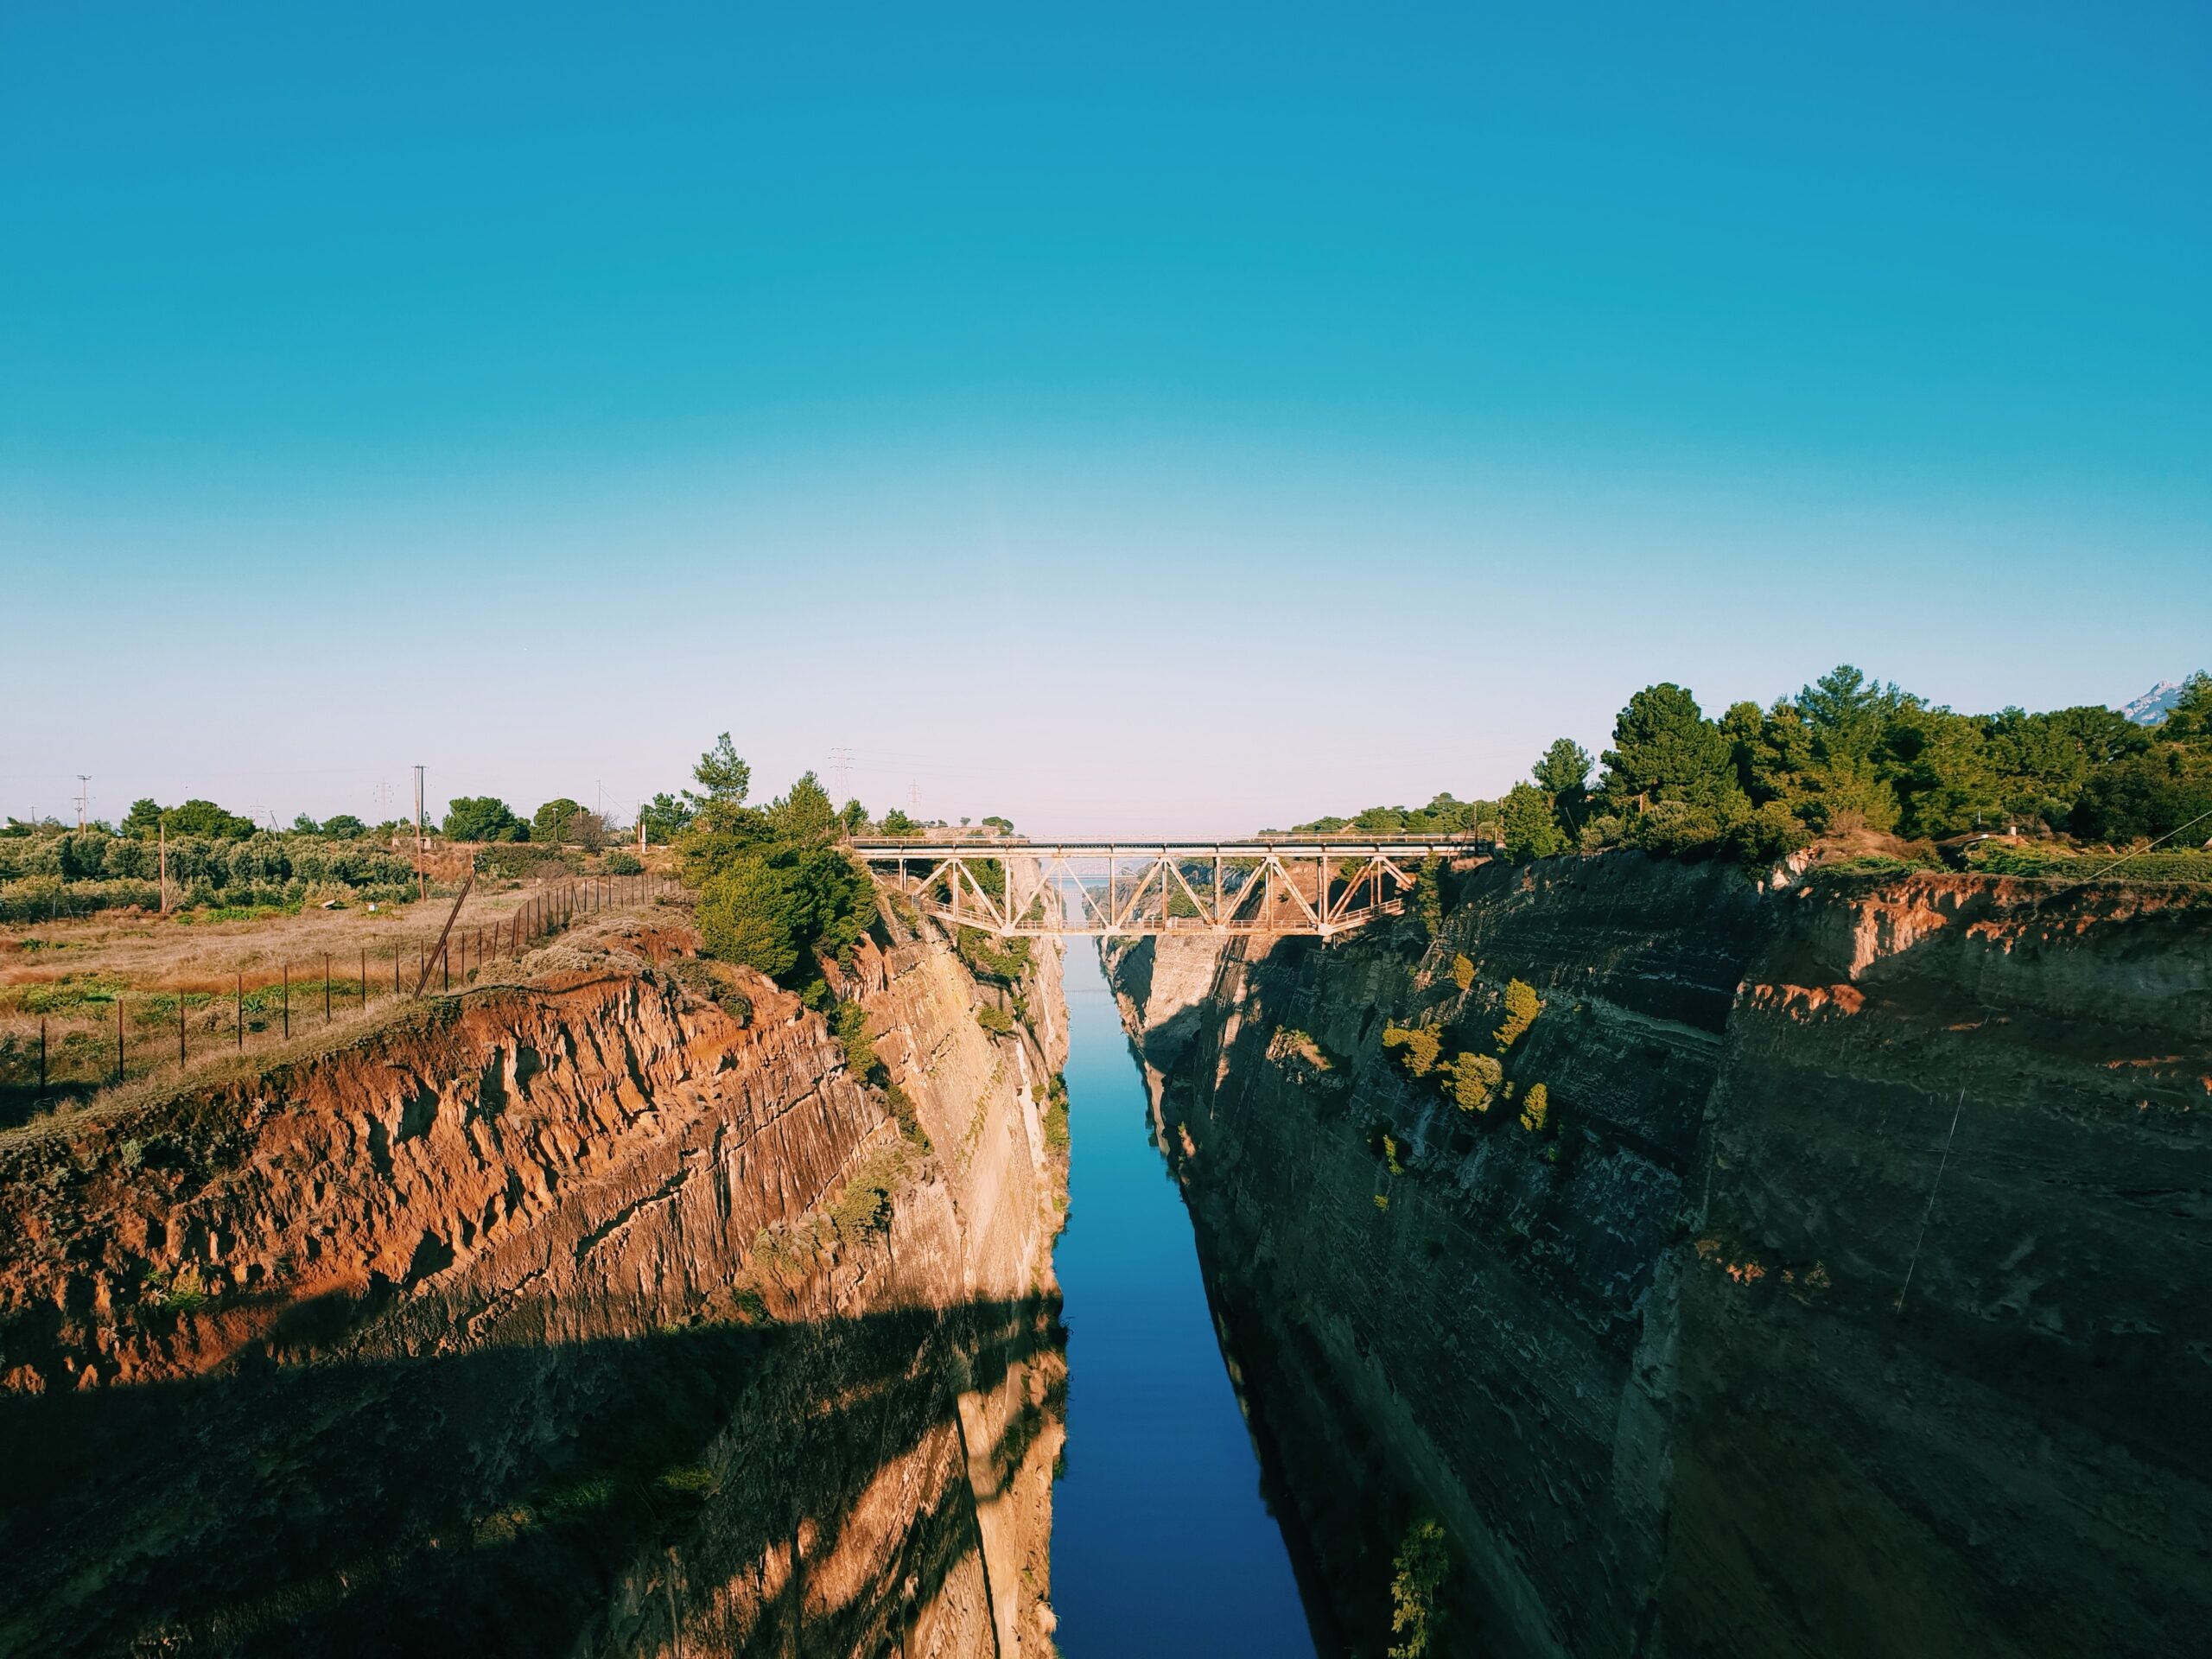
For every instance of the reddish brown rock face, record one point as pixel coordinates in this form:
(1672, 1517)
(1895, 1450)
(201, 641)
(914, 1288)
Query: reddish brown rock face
(575, 1313)
(1657, 1365)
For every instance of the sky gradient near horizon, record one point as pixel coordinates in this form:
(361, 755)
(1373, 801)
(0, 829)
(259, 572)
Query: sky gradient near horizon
(1173, 421)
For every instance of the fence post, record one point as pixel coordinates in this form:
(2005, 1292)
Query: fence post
(118, 1036)
(288, 1002)
(364, 979)
(241, 1010)
(326, 987)
(41, 1059)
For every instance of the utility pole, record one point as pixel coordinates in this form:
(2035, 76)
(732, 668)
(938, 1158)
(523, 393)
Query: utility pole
(641, 829)
(165, 874)
(422, 883)
(841, 761)
(83, 794)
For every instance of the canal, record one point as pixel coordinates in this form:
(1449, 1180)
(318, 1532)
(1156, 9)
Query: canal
(1161, 1543)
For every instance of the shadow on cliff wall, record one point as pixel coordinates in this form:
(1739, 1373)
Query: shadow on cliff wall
(516, 1499)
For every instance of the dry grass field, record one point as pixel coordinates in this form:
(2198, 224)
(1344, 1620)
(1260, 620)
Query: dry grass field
(123, 994)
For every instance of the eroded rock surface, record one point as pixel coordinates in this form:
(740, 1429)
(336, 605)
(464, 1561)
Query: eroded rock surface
(575, 1315)
(1750, 1350)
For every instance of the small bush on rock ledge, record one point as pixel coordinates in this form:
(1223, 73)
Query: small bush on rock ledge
(1420, 1044)
(1472, 1081)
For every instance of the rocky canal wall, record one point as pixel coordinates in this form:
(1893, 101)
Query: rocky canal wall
(621, 1308)
(1850, 1299)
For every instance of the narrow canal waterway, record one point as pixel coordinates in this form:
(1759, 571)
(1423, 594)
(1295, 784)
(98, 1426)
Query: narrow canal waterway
(1160, 1541)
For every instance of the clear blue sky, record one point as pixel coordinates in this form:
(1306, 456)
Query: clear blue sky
(1182, 418)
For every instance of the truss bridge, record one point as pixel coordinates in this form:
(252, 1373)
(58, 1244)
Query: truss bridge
(1320, 885)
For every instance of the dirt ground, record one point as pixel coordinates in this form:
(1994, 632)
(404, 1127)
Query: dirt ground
(71, 992)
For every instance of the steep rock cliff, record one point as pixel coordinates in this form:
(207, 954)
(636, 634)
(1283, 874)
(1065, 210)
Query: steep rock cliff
(573, 1314)
(1657, 1366)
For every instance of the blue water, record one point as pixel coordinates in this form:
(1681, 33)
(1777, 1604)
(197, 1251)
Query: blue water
(1160, 1541)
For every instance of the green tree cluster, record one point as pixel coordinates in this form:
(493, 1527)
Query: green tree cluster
(201, 818)
(482, 817)
(666, 817)
(554, 822)
(1444, 816)
(1848, 753)
(776, 893)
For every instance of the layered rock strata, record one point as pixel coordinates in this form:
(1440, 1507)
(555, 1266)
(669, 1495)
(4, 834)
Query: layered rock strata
(595, 1312)
(1851, 1298)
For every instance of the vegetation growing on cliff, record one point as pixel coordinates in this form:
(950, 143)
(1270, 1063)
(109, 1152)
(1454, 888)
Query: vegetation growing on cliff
(1522, 1007)
(1472, 1081)
(1536, 1108)
(1056, 1112)
(776, 892)
(1416, 1585)
(989, 957)
(1421, 1044)
(851, 1024)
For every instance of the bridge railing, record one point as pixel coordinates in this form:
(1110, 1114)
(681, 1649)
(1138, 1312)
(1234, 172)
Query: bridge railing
(1319, 885)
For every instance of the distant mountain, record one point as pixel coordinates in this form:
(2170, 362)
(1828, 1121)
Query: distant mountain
(2153, 705)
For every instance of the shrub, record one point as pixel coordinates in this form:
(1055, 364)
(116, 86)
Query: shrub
(185, 1290)
(1420, 1044)
(1421, 1568)
(621, 863)
(1463, 973)
(864, 1206)
(1290, 1046)
(688, 1480)
(997, 1021)
(582, 1498)
(910, 1121)
(1057, 1136)
(851, 1023)
(1472, 1081)
(1536, 1108)
(1428, 896)
(1004, 960)
(1521, 1008)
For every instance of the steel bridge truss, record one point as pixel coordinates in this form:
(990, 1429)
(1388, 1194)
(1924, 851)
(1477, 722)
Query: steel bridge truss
(1019, 888)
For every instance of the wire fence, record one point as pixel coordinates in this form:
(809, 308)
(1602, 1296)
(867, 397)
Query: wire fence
(89, 1049)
